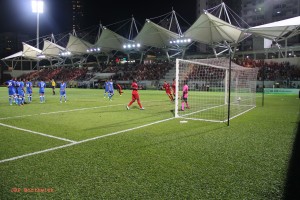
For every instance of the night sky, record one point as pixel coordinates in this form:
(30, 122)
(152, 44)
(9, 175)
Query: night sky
(16, 15)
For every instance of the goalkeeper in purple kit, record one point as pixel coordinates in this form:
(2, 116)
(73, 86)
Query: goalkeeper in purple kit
(184, 98)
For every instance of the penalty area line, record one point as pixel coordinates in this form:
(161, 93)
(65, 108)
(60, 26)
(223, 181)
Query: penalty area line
(37, 133)
(83, 141)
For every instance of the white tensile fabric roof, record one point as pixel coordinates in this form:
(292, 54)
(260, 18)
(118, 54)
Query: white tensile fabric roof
(110, 40)
(30, 51)
(209, 29)
(15, 55)
(77, 46)
(155, 36)
(52, 49)
(276, 30)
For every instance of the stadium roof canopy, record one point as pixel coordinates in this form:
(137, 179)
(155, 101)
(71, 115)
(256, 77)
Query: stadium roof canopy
(51, 49)
(277, 30)
(31, 52)
(28, 52)
(15, 55)
(110, 40)
(77, 46)
(153, 35)
(209, 29)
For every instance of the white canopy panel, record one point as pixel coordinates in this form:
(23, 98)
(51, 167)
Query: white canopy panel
(276, 30)
(77, 46)
(30, 51)
(15, 55)
(110, 40)
(52, 49)
(209, 29)
(155, 36)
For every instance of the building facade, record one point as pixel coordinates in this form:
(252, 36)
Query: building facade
(258, 12)
(11, 42)
(77, 14)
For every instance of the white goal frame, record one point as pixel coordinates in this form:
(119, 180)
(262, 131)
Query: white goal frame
(220, 103)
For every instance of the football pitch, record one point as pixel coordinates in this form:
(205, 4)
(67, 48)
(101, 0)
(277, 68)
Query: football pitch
(93, 148)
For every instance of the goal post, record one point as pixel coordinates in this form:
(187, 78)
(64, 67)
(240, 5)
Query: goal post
(208, 82)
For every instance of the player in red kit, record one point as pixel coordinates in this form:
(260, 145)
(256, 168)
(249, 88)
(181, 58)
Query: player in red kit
(174, 88)
(135, 95)
(119, 89)
(167, 87)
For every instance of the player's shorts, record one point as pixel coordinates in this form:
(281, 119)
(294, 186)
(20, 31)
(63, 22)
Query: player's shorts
(53, 87)
(21, 94)
(62, 93)
(29, 92)
(168, 91)
(11, 92)
(184, 99)
(135, 96)
(42, 91)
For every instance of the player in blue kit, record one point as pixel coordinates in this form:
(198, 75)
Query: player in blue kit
(11, 90)
(42, 86)
(29, 90)
(110, 89)
(105, 88)
(21, 92)
(16, 90)
(62, 91)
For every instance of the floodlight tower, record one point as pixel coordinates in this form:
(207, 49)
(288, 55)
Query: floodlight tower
(37, 7)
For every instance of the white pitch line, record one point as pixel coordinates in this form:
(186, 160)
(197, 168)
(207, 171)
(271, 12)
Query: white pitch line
(82, 141)
(38, 133)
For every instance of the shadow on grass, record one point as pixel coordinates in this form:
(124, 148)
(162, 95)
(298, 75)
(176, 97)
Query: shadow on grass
(292, 183)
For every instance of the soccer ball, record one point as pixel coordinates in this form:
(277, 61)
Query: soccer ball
(239, 99)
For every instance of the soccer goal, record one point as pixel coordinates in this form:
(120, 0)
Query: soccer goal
(215, 94)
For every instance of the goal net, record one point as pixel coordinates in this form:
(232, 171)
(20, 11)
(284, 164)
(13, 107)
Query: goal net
(212, 87)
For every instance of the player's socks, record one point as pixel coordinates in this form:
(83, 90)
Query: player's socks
(41, 99)
(131, 102)
(139, 102)
(182, 106)
(19, 101)
(10, 100)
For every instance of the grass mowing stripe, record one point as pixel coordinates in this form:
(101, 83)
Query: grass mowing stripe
(63, 111)
(66, 111)
(38, 133)
(82, 141)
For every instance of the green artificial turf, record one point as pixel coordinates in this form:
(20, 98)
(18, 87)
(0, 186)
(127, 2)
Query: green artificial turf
(168, 160)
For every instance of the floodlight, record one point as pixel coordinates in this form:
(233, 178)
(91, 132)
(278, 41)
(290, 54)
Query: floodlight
(37, 6)
(93, 50)
(132, 45)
